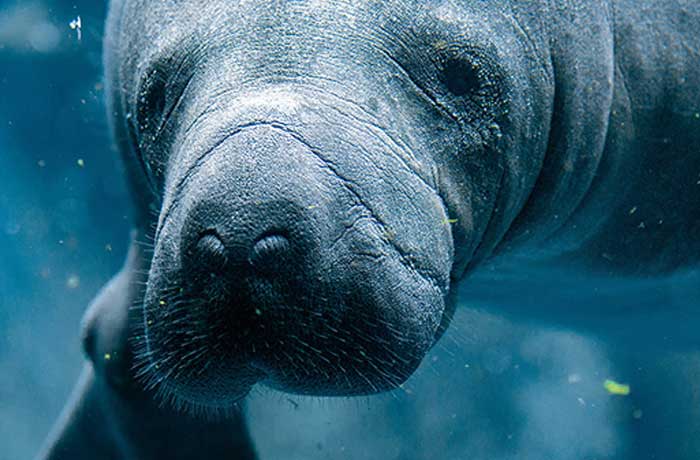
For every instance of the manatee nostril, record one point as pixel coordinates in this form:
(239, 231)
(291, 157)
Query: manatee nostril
(209, 252)
(269, 253)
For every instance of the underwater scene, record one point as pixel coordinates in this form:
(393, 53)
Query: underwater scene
(349, 230)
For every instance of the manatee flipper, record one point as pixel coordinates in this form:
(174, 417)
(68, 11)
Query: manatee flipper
(81, 431)
(111, 416)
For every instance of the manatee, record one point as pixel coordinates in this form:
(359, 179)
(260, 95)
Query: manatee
(316, 184)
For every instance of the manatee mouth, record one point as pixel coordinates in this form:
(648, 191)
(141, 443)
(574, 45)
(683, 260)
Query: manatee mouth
(208, 342)
(271, 267)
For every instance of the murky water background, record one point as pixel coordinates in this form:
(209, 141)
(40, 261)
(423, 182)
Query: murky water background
(490, 390)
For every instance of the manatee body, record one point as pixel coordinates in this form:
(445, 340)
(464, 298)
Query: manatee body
(313, 181)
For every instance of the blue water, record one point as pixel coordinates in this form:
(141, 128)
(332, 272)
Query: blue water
(492, 389)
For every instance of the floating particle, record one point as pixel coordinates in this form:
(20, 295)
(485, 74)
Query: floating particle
(41, 163)
(81, 162)
(162, 302)
(108, 356)
(637, 414)
(450, 221)
(73, 282)
(574, 378)
(615, 388)
(108, 247)
(77, 25)
(258, 312)
(633, 210)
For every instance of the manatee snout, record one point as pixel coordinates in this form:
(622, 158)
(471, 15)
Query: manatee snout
(271, 266)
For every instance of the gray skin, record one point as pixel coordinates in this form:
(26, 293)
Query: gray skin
(318, 179)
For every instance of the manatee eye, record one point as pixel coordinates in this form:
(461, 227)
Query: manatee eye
(461, 77)
(145, 125)
(151, 101)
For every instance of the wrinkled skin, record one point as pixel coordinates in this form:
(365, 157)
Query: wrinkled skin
(318, 178)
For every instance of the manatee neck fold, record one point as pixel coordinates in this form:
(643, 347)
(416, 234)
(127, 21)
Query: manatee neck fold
(581, 106)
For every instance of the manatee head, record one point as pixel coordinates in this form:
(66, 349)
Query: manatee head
(318, 176)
